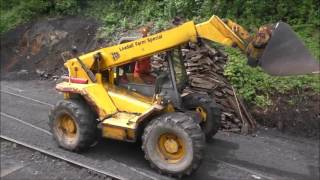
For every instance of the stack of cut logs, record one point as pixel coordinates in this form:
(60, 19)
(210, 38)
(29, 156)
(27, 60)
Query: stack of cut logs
(205, 67)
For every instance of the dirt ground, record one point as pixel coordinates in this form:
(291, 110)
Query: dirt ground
(33, 51)
(296, 113)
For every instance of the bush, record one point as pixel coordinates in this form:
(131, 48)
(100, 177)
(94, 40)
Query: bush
(66, 6)
(14, 12)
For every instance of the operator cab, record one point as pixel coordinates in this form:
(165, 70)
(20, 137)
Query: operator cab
(158, 80)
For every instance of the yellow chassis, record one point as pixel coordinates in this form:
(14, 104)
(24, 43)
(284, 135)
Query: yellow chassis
(119, 110)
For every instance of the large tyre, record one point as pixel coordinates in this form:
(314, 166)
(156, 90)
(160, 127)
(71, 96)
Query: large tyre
(173, 144)
(73, 124)
(208, 110)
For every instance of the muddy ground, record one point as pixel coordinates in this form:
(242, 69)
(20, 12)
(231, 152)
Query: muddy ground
(33, 51)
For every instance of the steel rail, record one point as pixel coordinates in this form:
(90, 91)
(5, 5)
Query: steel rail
(55, 155)
(52, 154)
(25, 97)
(49, 133)
(26, 123)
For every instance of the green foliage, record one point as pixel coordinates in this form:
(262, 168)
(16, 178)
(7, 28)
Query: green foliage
(105, 32)
(66, 6)
(250, 13)
(15, 12)
(256, 86)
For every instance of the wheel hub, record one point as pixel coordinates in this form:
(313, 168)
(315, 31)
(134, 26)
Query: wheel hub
(171, 147)
(67, 125)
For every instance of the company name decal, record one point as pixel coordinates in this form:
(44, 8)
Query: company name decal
(141, 42)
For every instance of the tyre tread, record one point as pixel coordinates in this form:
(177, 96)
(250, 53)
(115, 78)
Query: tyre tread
(85, 120)
(193, 100)
(186, 123)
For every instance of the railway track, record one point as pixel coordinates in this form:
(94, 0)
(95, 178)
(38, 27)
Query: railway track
(55, 155)
(107, 174)
(99, 171)
(46, 152)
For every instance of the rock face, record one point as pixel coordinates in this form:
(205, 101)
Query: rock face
(205, 67)
(37, 46)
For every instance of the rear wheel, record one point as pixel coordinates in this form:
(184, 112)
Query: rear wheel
(173, 144)
(208, 110)
(73, 124)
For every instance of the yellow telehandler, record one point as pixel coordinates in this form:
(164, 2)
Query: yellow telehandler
(104, 94)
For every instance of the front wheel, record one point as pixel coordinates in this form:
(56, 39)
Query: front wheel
(173, 144)
(73, 124)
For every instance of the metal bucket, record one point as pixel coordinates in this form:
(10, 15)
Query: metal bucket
(286, 54)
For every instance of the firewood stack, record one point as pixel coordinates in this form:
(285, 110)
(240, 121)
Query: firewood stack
(205, 67)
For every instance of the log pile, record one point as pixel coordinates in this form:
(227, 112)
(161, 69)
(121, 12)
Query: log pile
(205, 67)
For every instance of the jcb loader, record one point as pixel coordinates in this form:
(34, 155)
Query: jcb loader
(173, 126)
